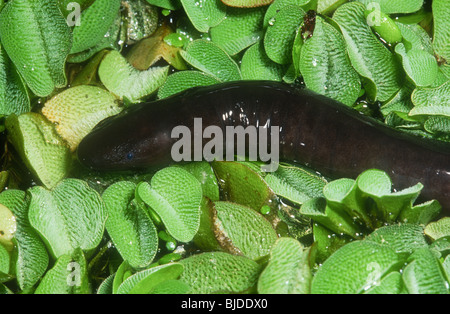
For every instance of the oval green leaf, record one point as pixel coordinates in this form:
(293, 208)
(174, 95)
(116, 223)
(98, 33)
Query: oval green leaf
(40, 147)
(130, 228)
(281, 32)
(37, 38)
(94, 23)
(354, 268)
(211, 59)
(219, 273)
(13, 91)
(70, 216)
(370, 58)
(120, 78)
(241, 29)
(175, 195)
(288, 270)
(242, 230)
(325, 66)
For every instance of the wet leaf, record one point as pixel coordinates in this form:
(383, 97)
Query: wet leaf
(70, 216)
(370, 58)
(40, 147)
(37, 39)
(256, 65)
(219, 272)
(94, 24)
(280, 35)
(241, 230)
(13, 91)
(183, 80)
(325, 66)
(398, 6)
(120, 78)
(241, 29)
(288, 270)
(68, 276)
(175, 195)
(130, 228)
(211, 59)
(356, 267)
(204, 14)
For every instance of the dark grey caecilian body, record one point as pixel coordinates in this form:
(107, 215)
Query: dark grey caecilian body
(315, 131)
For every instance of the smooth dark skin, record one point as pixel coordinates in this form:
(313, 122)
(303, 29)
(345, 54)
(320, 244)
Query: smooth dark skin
(316, 131)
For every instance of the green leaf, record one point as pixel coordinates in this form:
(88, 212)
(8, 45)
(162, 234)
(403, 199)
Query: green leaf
(325, 66)
(438, 229)
(205, 175)
(40, 147)
(13, 91)
(405, 238)
(32, 257)
(247, 3)
(424, 275)
(113, 39)
(77, 110)
(219, 272)
(256, 65)
(130, 228)
(281, 32)
(326, 242)
(431, 101)
(398, 6)
(391, 284)
(242, 230)
(5, 263)
(343, 195)
(277, 5)
(211, 59)
(241, 29)
(370, 58)
(378, 186)
(120, 78)
(180, 81)
(296, 184)
(327, 7)
(106, 286)
(420, 66)
(204, 14)
(441, 37)
(175, 195)
(94, 24)
(70, 216)
(288, 270)
(166, 4)
(145, 281)
(437, 125)
(37, 39)
(355, 268)
(332, 218)
(171, 287)
(415, 37)
(422, 213)
(242, 184)
(68, 276)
